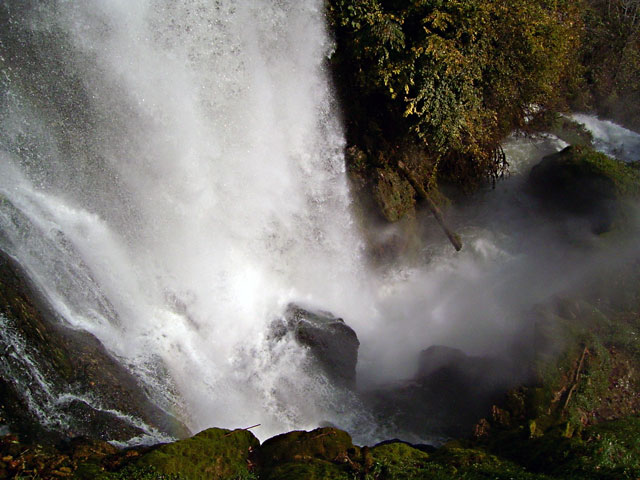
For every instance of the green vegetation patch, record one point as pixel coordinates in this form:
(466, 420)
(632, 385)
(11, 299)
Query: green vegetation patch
(397, 460)
(583, 183)
(454, 77)
(393, 194)
(212, 454)
(329, 444)
(311, 470)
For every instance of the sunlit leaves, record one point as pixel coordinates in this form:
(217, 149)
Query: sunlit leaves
(459, 72)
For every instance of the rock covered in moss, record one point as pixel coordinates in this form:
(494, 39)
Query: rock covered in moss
(397, 460)
(213, 454)
(393, 194)
(580, 182)
(322, 453)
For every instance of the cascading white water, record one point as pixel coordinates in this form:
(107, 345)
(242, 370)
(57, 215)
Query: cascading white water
(611, 138)
(171, 175)
(195, 187)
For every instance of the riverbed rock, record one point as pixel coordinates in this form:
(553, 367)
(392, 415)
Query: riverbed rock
(582, 183)
(57, 382)
(332, 343)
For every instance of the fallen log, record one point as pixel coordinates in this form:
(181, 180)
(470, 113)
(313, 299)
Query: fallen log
(453, 237)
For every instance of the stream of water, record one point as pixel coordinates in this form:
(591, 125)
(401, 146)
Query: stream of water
(172, 177)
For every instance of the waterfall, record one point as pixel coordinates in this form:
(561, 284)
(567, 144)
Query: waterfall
(172, 177)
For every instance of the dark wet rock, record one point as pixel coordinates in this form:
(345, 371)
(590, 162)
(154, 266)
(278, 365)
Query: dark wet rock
(44, 359)
(580, 182)
(102, 423)
(453, 390)
(437, 357)
(330, 340)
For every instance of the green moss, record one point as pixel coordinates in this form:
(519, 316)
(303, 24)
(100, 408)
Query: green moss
(328, 444)
(608, 451)
(393, 194)
(614, 445)
(580, 182)
(131, 472)
(311, 470)
(327, 450)
(212, 454)
(581, 161)
(625, 178)
(398, 461)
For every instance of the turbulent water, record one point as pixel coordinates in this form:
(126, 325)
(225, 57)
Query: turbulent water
(171, 175)
(175, 177)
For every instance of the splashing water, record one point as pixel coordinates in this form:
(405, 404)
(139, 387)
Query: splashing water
(611, 138)
(171, 176)
(174, 177)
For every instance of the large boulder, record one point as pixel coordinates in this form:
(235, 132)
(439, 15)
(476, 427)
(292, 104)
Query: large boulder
(57, 382)
(332, 343)
(213, 454)
(324, 453)
(582, 183)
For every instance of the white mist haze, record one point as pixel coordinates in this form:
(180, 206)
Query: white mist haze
(172, 177)
(201, 190)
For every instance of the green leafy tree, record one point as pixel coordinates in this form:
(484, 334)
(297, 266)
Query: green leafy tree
(453, 76)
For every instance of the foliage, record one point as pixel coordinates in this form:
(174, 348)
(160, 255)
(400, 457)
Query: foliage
(611, 57)
(454, 75)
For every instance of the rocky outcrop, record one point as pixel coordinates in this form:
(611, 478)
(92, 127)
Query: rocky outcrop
(57, 382)
(581, 183)
(332, 343)
(393, 194)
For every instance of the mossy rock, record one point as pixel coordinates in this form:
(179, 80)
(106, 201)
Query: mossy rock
(394, 194)
(321, 453)
(580, 182)
(610, 450)
(398, 460)
(212, 454)
(312, 470)
(474, 463)
(328, 444)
